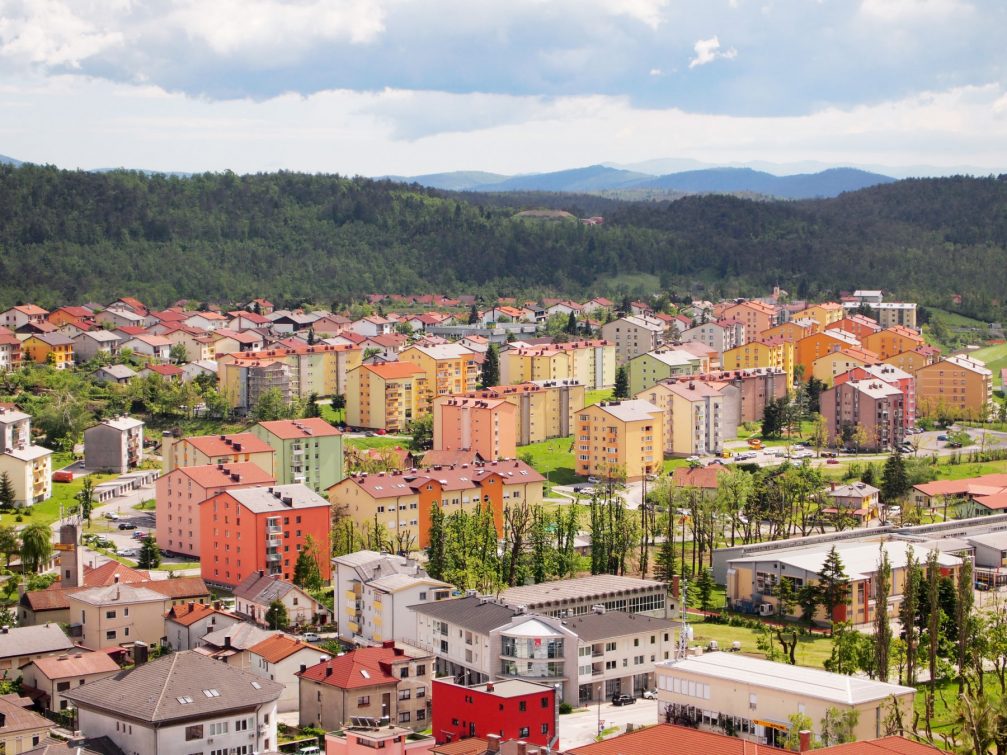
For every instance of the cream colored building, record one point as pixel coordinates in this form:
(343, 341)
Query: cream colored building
(28, 466)
(449, 368)
(386, 396)
(59, 673)
(633, 335)
(695, 414)
(759, 696)
(117, 614)
(591, 363)
(619, 438)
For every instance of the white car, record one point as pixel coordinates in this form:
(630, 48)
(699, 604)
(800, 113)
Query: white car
(650, 694)
(310, 637)
(692, 458)
(111, 515)
(594, 480)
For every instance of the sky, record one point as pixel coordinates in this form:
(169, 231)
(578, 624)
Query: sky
(408, 87)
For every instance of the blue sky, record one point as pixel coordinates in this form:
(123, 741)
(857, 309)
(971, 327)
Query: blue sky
(415, 86)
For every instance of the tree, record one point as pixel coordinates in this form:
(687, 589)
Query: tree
(882, 623)
(907, 612)
(571, 324)
(773, 418)
(435, 550)
(36, 547)
(10, 543)
(786, 596)
(894, 480)
(7, 493)
(150, 554)
(798, 722)
(85, 499)
(852, 651)
(474, 317)
(933, 632)
(839, 726)
(270, 406)
(819, 433)
(422, 430)
(178, 353)
(833, 583)
(490, 372)
(306, 571)
(276, 615)
(964, 618)
(809, 598)
(621, 383)
(704, 587)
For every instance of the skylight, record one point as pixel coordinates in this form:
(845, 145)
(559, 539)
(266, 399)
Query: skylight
(365, 673)
(184, 699)
(211, 693)
(256, 685)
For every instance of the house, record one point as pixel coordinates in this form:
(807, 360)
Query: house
(29, 467)
(179, 703)
(619, 437)
(254, 594)
(155, 347)
(372, 326)
(180, 493)
(22, 645)
(956, 387)
(115, 373)
(114, 444)
(382, 586)
(167, 372)
(401, 501)
(201, 367)
(55, 674)
(10, 351)
(118, 318)
(199, 450)
(596, 305)
(21, 729)
(49, 348)
(231, 644)
(129, 304)
(388, 680)
(186, 624)
(119, 613)
(509, 708)
(857, 499)
(309, 451)
(227, 341)
(913, 360)
(867, 414)
(759, 696)
(241, 320)
(89, 344)
(260, 306)
(705, 479)
(207, 320)
(280, 658)
(633, 335)
(385, 396)
(197, 344)
(21, 315)
(485, 426)
(968, 497)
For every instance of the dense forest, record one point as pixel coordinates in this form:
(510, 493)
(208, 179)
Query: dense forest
(70, 236)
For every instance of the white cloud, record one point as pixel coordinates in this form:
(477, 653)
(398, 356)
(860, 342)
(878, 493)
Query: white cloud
(656, 72)
(907, 10)
(50, 33)
(649, 12)
(708, 50)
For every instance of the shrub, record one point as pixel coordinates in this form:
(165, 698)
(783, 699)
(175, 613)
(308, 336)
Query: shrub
(565, 708)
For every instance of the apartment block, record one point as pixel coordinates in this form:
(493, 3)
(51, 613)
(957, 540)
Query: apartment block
(622, 438)
(893, 376)
(757, 317)
(771, 353)
(633, 335)
(891, 341)
(449, 368)
(872, 405)
(386, 396)
(694, 414)
(29, 467)
(591, 363)
(956, 387)
(309, 451)
(543, 409)
(200, 450)
(114, 444)
(485, 426)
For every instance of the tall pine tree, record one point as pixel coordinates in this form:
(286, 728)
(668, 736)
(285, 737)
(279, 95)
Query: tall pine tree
(833, 583)
(436, 550)
(882, 623)
(621, 383)
(490, 374)
(894, 479)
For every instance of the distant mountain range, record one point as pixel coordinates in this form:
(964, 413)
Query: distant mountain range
(4, 160)
(602, 178)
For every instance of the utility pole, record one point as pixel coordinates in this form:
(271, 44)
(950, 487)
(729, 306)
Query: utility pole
(683, 639)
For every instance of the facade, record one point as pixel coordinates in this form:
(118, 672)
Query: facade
(21, 730)
(179, 494)
(114, 444)
(914, 360)
(449, 368)
(179, 704)
(858, 325)
(10, 351)
(385, 396)
(279, 658)
(91, 343)
(772, 353)
(53, 348)
(364, 739)
(824, 314)
(309, 451)
(956, 387)
(543, 409)
(891, 341)
(200, 450)
(590, 363)
(817, 345)
(857, 499)
(633, 335)
(485, 426)
(373, 592)
(893, 376)
(651, 368)
(755, 315)
(871, 405)
(620, 438)
(23, 314)
(185, 625)
(119, 613)
(23, 644)
(695, 413)
(56, 674)
(890, 313)
(387, 680)
(401, 500)
(576, 597)
(247, 530)
(760, 696)
(509, 708)
(258, 590)
(756, 388)
(29, 467)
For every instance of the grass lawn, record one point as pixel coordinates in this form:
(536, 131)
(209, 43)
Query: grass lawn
(47, 512)
(379, 441)
(597, 396)
(945, 699)
(146, 505)
(554, 459)
(812, 650)
(995, 358)
(961, 471)
(330, 415)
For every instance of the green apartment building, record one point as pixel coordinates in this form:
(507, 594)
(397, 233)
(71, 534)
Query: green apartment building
(309, 451)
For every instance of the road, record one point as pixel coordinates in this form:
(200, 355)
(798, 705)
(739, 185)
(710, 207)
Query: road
(581, 726)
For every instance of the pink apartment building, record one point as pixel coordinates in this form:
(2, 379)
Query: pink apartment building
(485, 426)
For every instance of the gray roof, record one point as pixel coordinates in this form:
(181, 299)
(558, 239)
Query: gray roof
(180, 685)
(259, 587)
(117, 594)
(242, 636)
(121, 423)
(102, 336)
(261, 500)
(592, 627)
(469, 613)
(47, 638)
(119, 371)
(583, 588)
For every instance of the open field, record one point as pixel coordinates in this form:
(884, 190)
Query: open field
(554, 459)
(597, 396)
(47, 512)
(378, 441)
(995, 358)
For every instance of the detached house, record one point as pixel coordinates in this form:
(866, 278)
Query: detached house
(55, 674)
(91, 343)
(155, 347)
(258, 590)
(53, 348)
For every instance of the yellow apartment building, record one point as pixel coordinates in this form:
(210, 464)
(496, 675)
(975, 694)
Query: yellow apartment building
(788, 331)
(824, 314)
(386, 396)
(827, 367)
(449, 368)
(198, 450)
(49, 347)
(956, 387)
(120, 613)
(694, 415)
(589, 362)
(915, 359)
(619, 437)
(321, 369)
(772, 352)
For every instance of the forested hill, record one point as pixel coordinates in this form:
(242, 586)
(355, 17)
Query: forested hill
(76, 236)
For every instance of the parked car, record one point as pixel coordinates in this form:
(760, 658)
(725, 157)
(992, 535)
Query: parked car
(584, 489)
(139, 535)
(310, 637)
(623, 699)
(594, 480)
(832, 461)
(111, 515)
(942, 436)
(127, 526)
(650, 694)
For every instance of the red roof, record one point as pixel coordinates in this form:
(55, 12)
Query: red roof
(187, 614)
(897, 745)
(392, 370)
(698, 477)
(457, 477)
(132, 330)
(111, 572)
(220, 445)
(669, 739)
(222, 475)
(288, 429)
(170, 315)
(165, 370)
(274, 649)
(364, 667)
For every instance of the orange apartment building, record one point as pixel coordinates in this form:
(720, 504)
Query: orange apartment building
(402, 500)
(817, 345)
(757, 317)
(485, 426)
(620, 438)
(788, 331)
(199, 450)
(543, 409)
(891, 341)
(857, 325)
(773, 353)
(958, 387)
(915, 359)
(180, 492)
(261, 529)
(385, 396)
(824, 314)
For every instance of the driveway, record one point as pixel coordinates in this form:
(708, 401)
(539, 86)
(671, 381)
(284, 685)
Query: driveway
(581, 726)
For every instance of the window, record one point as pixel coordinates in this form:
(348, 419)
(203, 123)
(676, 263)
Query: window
(404, 717)
(109, 614)
(218, 728)
(60, 686)
(522, 706)
(110, 634)
(405, 694)
(193, 732)
(241, 724)
(545, 702)
(421, 670)
(523, 731)
(609, 647)
(545, 728)
(421, 692)
(363, 701)
(404, 672)
(421, 714)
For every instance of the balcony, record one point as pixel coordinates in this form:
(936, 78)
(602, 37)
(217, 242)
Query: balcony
(274, 530)
(273, 558)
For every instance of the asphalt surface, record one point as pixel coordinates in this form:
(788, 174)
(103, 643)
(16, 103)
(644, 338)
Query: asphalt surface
(581, 726)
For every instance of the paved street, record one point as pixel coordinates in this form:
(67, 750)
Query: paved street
(581, 727)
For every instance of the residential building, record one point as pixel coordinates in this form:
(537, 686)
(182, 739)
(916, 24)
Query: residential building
(24, 644)
(872, 406)
(817, 345)
(181, 703)
(824, 314)
(969, 497)
(116, 373)
(914, 360)
(199, 368)
(373, 591)
(590, 362)
(28, 466)
(757, 317)
(386, 396)
(759, 696)
(186, 624)
(827, 368)
(578, 596)
(10, 351)
(633, 335)
(719, 336)
(891, 341)
(649, 369)
(247, 530)
(120, 613)
(856, 499)
(694, 413)
(372, 326)
(49, 348)
(509, 708)
(154, 347)
(543, 409)
(180, 493)
(388, 680)
(129, 304)
(280, 658)
(114, 444)
(772, 353)
(55, 674)
(254, 594)
(231, 644)
(21, 315)
(309, 451)
(956, 387)
(893, 376)
(703, 479)
(620, 438)
(485, 426)
(857, 325)
(200, 450)
(91, 343)
(401, 500)
(756, 388)
(368, 735)
(21, 730)
(790, 331)
(449, 368)
(888, 314)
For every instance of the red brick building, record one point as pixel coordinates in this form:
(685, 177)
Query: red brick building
(509, 708)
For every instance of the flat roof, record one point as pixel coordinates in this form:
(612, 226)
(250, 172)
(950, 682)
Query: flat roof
(795, 680)
(594, 587)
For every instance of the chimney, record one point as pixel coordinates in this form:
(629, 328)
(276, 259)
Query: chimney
(832, 485)
(489, 686)
(522, 747)
(804, 738)
(140, 653)
(492, 743)
(328, 670)
(192, 605)
(227, 641)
